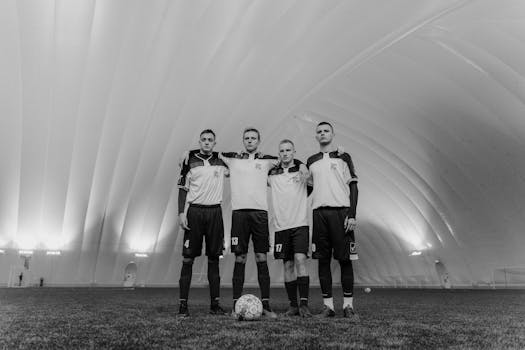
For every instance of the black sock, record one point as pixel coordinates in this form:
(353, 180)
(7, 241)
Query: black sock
(347, 278)
(185, 280)
(303, 284)
(238, 280)
(325, 278)
(214, 280)
(263, 276)
(291, 290)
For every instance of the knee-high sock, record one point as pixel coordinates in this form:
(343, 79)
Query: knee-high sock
(214, 280)
(303, 283)
(325, 277)
(185, 280)
(238, 280)
(347, 278)
(291, 290)
(263, 276)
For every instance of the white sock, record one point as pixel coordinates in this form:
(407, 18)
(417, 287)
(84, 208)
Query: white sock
(329, 302)
(348, 301)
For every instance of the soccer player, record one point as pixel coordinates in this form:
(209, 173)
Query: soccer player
(334, 202)
(290, 209)
(248, 181)
(201, 186)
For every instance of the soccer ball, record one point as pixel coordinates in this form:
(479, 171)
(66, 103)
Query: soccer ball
(248, 307)
(367, 290)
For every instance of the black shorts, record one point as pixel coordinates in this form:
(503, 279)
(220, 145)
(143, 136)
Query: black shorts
(291, 241)
(246, 222)
(329, 235)
(204, 221)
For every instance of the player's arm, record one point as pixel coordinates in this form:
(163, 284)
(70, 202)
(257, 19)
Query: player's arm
(226, 157)
(183, 192)
(350, 221)
(310, 180)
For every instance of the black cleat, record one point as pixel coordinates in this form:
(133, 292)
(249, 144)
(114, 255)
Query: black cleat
(304, 311)
(292, 311)
(183, 310)
(268, 313)
(217, 310)
(348, 312)
(327, 312)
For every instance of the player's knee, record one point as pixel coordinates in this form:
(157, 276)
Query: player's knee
(288, 265)
(241, 258)
(188, 261)
(260, 257)
(213, 259)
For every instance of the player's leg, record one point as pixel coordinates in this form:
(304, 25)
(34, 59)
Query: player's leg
(322, 250)
(282, 251)
(214, 248)
(184, 286)
(261, 245)
(300, 240)
(345, 252)
(191, 248)
(240, 235)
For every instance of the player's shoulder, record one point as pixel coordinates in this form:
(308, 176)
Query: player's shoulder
(265, 156)
(314, 158)
(343, 156)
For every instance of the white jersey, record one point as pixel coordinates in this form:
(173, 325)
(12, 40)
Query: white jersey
(249, 179)
(203, 177)
(331, 173)
(289, 197)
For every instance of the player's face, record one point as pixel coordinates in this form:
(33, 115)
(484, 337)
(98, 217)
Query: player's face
(286, 153)
(251, 141)
(324, 134)
(206, 143)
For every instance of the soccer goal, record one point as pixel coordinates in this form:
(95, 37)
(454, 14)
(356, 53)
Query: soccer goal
(509, 277)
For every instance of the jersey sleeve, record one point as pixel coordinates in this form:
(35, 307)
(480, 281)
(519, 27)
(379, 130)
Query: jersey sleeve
(349, 172)
(183, 181)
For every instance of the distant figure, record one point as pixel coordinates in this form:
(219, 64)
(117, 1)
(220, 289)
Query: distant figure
(20, 277)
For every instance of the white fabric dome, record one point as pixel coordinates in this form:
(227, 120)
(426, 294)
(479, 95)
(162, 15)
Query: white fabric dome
(98, 100)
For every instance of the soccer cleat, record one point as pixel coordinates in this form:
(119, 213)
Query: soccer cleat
(217, 310)
(268, 313)
(348, 312)
(304, 311)
(183, 310)
(327, 312)
(292, 311)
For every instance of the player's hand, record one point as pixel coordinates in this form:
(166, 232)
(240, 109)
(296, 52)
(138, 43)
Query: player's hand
(340, 150)
(183, 221)
(350, 224)
(304, 173)
(184, 158)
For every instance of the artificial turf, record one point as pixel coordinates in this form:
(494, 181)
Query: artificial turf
(64, 318)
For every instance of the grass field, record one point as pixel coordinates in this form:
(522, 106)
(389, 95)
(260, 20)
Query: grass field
(63, 318)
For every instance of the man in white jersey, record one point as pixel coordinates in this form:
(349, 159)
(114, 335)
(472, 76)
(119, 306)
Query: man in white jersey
(290, 212)
(334, 202)
(201, 186)
(248, 181)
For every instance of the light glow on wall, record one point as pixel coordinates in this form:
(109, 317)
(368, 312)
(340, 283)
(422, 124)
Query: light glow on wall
(141, 255)
(53, 252)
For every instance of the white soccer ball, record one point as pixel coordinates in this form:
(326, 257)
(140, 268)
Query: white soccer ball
(367, 290)
(248, 307)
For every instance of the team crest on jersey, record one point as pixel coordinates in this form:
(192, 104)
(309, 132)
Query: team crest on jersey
(353, 247)
(216, 173)
(258, 166)
(235, 240)
(313, 247)
(333, 166)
